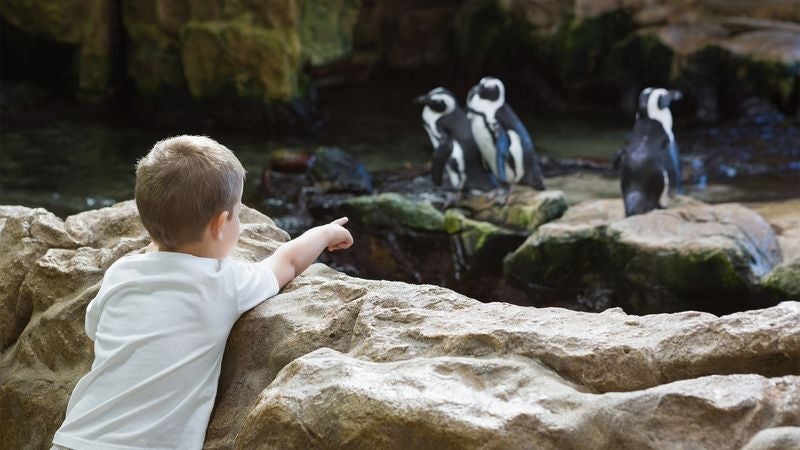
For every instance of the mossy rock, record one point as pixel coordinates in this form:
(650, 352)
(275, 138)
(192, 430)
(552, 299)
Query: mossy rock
(88, 26)
(638, 60)
(394, 212)
(569, 252)
(692, 256)
(154, 56)
(526, 209)
(240, 58)
(335, 170)
(584, 45)
(480, 246)
(784, 280)
(326, 30)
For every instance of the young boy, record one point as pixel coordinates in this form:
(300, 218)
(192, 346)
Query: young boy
(161, 319)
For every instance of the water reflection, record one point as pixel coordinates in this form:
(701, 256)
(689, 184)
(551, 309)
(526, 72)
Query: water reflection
(72, 164)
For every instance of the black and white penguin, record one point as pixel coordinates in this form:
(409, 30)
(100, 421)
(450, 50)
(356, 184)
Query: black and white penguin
(503, 140)
(455, 151)
(649, 164)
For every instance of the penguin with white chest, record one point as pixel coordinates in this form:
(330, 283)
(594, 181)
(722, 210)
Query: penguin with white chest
(503, 140)
(455, 151)
(649, 164)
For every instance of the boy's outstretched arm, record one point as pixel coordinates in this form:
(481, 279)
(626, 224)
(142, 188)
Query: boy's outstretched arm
(293, 257)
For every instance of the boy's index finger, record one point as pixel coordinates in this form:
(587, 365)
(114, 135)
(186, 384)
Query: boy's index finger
(340, 221)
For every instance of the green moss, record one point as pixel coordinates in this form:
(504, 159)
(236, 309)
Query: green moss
(239, 57)
(653, 280)
(475, 30)
(154, 59)
(480, 246)
(639, 59)
(784, 281)
(395, 212)
(566, 261)
(485, 38)
(734, 77)
(548, 206)
(326, 30)
(584, 45)
(526, 210)
(475, 235)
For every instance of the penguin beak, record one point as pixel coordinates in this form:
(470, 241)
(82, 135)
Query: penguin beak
(671, 96)
(421, 99)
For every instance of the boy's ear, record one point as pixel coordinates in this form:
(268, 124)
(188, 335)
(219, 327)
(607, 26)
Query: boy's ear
(218, 223)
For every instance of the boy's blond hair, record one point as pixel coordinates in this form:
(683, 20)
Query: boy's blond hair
(181, 184)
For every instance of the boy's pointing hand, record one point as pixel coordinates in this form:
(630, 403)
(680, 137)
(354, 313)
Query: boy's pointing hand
(340, 238)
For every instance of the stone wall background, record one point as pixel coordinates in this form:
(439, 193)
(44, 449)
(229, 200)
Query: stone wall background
(567, 55)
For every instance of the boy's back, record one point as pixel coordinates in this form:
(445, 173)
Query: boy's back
(161, 319)
(160, 323)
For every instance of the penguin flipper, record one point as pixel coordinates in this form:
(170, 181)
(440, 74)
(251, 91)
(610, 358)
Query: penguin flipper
(502, 145)
(533, 171)
(509, 121)
(440, 157)
(674, 169)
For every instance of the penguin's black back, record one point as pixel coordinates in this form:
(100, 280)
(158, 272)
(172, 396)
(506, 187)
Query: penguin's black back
(458, 126)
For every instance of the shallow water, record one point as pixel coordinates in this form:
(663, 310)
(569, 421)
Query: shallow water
(71, 164)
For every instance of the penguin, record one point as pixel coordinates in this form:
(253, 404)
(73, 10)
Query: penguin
(649, 164)
(503, 140)
(455, 151)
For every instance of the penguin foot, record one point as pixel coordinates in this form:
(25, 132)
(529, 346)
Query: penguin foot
(499, 196)
(451, 200)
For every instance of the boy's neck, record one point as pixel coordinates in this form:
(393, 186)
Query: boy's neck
(200, 249)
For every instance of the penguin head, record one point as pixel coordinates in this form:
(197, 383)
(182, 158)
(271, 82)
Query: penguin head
(654, 104)
(438, 102)
(488, 95)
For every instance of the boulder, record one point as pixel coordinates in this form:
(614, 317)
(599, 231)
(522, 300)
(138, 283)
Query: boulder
(779, 438)
(492, 354)
(430, 403)
(479, 247)
(238, 56)
(525, 209)
(26, 234)
(88, 26)
(784, 280)
(154, 47)
(326, 30)
(694, 256)
(100, 228)
(339, 362)
(336, 171)
(253, 50)
(405, 237)
(390, 211)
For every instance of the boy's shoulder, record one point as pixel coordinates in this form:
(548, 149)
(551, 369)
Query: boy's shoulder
(161, 263)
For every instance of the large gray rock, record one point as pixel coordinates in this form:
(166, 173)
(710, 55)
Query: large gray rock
(779, 438)
(691, 256)
(25, 235)
(471, 402)
(419, 329)
(340, 362)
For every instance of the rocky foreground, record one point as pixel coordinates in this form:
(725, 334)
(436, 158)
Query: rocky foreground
(340, 362)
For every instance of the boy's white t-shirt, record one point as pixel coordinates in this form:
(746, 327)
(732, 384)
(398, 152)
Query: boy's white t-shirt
(159, 324)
